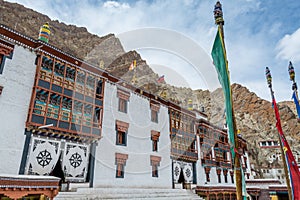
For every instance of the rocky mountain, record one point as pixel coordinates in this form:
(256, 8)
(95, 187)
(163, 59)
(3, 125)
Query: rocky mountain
(254, 116)
(74, 40)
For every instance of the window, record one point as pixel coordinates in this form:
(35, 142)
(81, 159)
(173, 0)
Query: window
(66, 109)
(120, 164)
(219, 178)
(155, 138)
(123, 100)
(269, 143)
(121, 138)
(219, 175)
(155, 162)
(154, 111)
(207, 177)
(225, 178)
(154, 116)
(207, 171)
(123, 105)
(97, 116)
(121, 132)
(6, 52)
(154, 170)
(120, 171)
(99, 88)
(232, 176)
(154, 145)
(40, 102)
(1, 63)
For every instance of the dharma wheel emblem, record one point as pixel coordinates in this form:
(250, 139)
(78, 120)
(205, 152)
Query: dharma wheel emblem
(75, 160)
(44, 158)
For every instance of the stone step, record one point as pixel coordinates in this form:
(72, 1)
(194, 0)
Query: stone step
(127, 193)
(129, 190)
(136, 198)
(124, 196)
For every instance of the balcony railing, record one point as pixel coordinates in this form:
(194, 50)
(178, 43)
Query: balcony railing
(208, 162)
(226, 165)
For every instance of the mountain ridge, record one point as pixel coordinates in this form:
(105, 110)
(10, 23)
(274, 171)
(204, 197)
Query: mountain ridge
(254, 115)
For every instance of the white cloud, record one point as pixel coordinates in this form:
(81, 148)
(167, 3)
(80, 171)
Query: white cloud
(249, 42)
(116, 5)
(289, 47)
(173, 49)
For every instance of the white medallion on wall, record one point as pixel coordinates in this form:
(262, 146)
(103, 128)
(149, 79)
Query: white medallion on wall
(188, 172)
(43, 156)
(75, 161)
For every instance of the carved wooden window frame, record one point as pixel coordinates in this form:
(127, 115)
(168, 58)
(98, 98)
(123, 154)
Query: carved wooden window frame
(121, 133)
(155, 138)
(120, 161)
(123, 100)
(154, 112)
(5, 52)
(155, 163)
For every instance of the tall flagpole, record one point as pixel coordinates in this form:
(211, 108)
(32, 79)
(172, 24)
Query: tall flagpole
(218, 14)
(269, 80)
(294, 87)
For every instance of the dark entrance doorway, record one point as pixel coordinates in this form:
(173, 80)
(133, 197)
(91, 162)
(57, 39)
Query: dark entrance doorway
(58, 172)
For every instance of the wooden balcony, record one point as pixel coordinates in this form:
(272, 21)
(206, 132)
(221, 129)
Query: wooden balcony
(225, 165)
(224, 146)
(185, 155)
(208, 162)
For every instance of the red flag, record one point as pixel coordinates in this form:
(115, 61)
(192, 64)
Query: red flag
(290, 160)
(161, 79)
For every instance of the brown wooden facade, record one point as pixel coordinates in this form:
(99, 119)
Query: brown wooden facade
(66, 96)
(182, 134)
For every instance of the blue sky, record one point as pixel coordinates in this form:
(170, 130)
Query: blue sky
(258, 33)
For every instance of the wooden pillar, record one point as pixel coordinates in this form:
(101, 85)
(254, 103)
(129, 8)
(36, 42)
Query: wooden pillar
(25, 152)
(92, 163)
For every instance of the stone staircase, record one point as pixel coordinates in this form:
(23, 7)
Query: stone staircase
(127, 193)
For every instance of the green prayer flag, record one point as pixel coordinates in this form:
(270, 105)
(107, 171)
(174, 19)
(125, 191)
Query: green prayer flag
(220, 61)
(244, 190)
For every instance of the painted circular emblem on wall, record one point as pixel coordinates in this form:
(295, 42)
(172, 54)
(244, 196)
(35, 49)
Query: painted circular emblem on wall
(75, 160)
(44, 158)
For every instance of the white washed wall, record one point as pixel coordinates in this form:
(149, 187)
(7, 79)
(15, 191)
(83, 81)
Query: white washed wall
(138, 170)
(17, 79)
